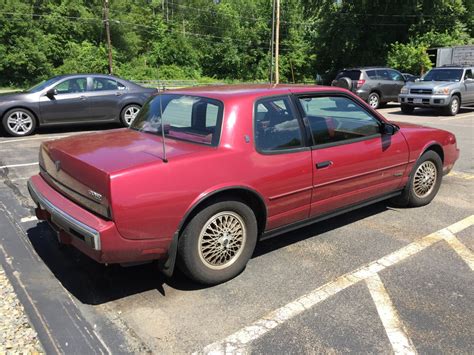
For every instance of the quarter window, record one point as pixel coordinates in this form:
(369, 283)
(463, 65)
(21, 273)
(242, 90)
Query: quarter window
(337, 119)
(71, 86)
(276, 125)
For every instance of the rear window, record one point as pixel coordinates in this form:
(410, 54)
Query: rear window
(189, 118)
(351, 74)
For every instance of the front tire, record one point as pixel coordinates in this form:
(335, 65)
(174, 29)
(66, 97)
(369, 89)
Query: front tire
(424, 183)
(374, 100)
(218, 242)
(19, 122)
(453, 108)
(129, 113)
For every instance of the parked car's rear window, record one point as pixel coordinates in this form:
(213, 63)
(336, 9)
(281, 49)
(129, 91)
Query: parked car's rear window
(190, 118)
(351, 74)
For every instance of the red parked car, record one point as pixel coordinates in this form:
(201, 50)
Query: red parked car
(242, 163)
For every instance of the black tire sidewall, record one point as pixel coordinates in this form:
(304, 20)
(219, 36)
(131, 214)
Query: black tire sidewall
(407, 109)
(189, 261)
(122, 114)
(13, 134)
(414, 200)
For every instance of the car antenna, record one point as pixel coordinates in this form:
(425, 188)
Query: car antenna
(165, 160)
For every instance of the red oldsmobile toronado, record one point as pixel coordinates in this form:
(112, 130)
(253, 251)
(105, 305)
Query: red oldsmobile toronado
(202, 174)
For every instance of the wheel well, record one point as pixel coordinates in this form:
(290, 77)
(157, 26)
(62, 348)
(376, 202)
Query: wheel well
(377, 92)
(458, 94)
(437, 149)
(128, 104)
(250, 198)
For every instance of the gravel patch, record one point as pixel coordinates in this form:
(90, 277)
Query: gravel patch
(16, 333)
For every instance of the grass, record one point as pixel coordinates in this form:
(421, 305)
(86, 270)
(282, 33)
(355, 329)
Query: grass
(8, 89)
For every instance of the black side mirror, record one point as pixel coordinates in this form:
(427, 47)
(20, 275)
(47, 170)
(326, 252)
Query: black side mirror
(51, 93)
(389, 129)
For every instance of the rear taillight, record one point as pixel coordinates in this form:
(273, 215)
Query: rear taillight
(360, 83)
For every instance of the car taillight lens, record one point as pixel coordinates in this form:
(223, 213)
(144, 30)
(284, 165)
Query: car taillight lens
(360, 83)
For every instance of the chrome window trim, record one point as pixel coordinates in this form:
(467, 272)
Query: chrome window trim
(66, 221)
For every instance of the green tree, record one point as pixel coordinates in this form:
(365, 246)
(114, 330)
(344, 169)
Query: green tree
(411, 58)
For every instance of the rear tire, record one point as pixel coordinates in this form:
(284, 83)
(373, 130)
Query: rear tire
(129, 113)
(425, 181)
(218, 242)
(453, 108)
(19, 122)
(374, 100)
(407, 109)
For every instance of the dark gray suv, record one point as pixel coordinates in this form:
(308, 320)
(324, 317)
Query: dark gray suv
(375, 85)
(69, 99)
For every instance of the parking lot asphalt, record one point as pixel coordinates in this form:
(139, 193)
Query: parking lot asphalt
(379, 279)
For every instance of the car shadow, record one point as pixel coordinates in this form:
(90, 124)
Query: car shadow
(94, 284)
(431, 112)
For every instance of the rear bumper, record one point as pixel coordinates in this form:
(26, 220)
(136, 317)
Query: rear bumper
(418, 100)
(96, 237)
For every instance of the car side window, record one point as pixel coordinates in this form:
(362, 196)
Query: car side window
(103, 84)
(468, 74)
(383, 74)
(72, 86)
(395, 76)
(372, 74)
(277, 127)
(335, 119)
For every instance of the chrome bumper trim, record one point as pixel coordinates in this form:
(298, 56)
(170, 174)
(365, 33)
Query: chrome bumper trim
(65, 221)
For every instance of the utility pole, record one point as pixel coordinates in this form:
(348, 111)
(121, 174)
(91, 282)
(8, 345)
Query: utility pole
(107, 31)
(277, 43)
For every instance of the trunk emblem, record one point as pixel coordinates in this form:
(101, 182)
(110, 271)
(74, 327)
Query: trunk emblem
(95, 195)
(57, 164)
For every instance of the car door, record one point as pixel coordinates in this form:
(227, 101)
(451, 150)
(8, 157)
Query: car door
(352, 161)
(398, 81)
(281, 161)
(468, 97)
(385, 85)
(68, 104)
(106, 97)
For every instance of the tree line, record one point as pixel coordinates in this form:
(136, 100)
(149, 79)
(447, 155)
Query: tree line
(226, 40)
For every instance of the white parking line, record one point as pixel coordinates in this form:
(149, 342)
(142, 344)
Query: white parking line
(240, 340)
(457, 117)
(17, 165)
(28, 219)
(30, 139)
(461, 249)
(396, 333)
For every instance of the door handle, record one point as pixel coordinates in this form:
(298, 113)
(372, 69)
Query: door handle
(118, 94)
(82, 97)
(323, 164)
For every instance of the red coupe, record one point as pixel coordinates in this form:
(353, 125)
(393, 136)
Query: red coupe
(202, 174)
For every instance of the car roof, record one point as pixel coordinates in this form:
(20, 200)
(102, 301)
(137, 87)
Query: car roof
(367, 68)
(222, 92)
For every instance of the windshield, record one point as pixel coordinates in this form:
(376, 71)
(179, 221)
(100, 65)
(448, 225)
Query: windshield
(443, 75)
(42, 85)
(190, 118)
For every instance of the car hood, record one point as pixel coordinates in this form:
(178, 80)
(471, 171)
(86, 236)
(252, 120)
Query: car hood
(13, 96)
(432, 84)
